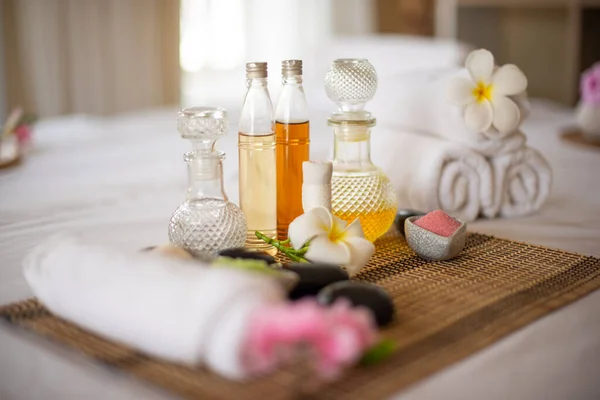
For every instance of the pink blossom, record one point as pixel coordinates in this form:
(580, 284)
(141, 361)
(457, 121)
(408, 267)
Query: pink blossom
(590, 85)
(335, 337)
(23, 134)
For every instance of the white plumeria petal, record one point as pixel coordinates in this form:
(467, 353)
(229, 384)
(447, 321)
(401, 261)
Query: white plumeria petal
(506, 114)
(478, 116)
(361, 251)
(480, 64)
(308, 225)
(339, 223)
(460, 91)
(322, 249)
(355, 229)
(509, 80)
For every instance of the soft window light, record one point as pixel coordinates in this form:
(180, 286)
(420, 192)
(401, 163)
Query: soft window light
(212, 34)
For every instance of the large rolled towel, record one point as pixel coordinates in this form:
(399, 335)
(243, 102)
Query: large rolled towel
(430, 173)
(522, 181)
(179, 310)
(417, 102)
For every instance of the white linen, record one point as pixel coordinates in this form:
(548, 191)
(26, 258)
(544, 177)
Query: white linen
(119, 179)
(418, 103)
(389, 54)
(178, 310)
(522, 181)
(432, 173)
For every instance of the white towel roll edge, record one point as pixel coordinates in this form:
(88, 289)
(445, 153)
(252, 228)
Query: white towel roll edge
(178, 310)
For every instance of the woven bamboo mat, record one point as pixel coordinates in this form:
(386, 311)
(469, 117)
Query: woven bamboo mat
(445, 312)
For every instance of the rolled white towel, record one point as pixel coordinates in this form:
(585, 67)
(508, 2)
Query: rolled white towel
(430, 173)
(417, 102)
(522, 181)
(179, 310)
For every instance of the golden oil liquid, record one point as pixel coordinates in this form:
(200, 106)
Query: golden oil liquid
(366, 196)
(292, 150)
(258, 187)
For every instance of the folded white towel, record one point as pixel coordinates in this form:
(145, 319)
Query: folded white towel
(175, 309)
(522, 181)
(417, 102)
(430, 173)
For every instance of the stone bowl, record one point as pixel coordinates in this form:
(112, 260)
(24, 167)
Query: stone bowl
(432, 246)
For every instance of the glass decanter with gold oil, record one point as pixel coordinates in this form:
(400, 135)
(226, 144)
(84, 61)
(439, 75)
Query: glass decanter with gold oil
(359, 188)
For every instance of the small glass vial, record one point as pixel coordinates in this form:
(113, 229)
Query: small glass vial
(359, 188)
(207, 222)
(292, 136)
(257, 166)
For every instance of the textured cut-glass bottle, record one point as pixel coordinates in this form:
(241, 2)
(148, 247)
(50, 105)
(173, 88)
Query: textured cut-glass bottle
(292, 136)
(207, 221)
(257, 166)
(359, 188)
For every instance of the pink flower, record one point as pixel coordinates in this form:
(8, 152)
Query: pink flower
(335, 337)
(23, 134)
(590, 85)
(353, 332)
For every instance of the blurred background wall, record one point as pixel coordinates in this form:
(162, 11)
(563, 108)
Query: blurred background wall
(3, 105)
(93, 56)
(108, 56)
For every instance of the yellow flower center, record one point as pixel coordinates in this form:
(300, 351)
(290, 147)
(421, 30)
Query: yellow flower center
(336, 234)
(482, 92)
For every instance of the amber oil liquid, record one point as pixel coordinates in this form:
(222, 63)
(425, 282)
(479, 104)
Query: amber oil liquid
(258, 187)
(375, 222)
(292, 150)
(360, 189)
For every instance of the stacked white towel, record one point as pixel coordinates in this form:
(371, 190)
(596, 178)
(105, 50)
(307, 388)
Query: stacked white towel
(179, 310)
(445, 165)
(522, 183)
(416, 102)
(433, 174)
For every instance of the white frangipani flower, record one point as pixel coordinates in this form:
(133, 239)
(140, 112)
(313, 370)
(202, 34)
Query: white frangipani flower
(331, 241)
(485, 97)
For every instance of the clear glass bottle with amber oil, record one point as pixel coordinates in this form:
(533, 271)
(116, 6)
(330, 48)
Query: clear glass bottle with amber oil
(292, 136)
(359, 188)
(257, 166)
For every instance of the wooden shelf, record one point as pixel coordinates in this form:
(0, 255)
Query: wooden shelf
(589, 3)
(514, 3)
(527, 3)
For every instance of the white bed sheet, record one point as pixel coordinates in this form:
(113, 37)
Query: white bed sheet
(119, 179)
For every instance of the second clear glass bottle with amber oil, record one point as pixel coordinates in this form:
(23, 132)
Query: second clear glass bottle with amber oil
(359, 188)
(257, 166)
(292, 136)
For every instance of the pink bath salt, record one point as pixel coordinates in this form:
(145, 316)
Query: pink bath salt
(439, 223)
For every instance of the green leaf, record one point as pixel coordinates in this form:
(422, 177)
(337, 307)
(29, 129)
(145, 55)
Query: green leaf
(246, 264)
(379, 352)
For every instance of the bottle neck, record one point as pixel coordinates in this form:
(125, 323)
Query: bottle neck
(352, 149)
(256, 83)
(291, 105)
(256, 117)
(294, 80)
(205, 174)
